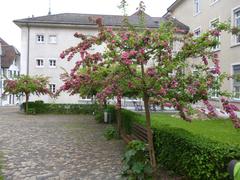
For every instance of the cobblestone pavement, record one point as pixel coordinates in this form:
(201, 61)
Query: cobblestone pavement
(56, 147)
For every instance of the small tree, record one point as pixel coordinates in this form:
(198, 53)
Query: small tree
(27, 85)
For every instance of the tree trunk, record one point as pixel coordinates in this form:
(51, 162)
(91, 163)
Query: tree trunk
(183, 114)
(26, 102)
(118, 115)
(150, 136)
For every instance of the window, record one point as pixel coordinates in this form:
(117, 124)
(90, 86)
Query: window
(196, 7)
(40, 39)
(213, 25)
(52, 39)
(52, 88)
(39, 63)
(214, 91)
(10, 75)
(236, 81)
(52, 63)
(197, 32)
(236, 21)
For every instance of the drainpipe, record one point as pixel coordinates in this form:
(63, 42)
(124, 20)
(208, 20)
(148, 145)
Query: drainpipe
(28, 47)
(1, 83)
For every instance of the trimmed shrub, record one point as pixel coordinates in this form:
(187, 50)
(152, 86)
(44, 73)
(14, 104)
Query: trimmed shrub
(187, 154)
(45, 108)
(193, 156)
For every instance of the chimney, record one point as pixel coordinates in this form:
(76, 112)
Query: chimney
(49, 8)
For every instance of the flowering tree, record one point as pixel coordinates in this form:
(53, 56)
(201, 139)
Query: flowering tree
(27, 85)
(149, 67)
(97, 79)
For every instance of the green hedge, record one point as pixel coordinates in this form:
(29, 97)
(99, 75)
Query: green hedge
(38, 107)
(190, 155)
(193, 156)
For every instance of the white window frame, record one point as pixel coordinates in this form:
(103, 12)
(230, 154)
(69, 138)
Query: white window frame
(218, 47)
(52, 59)
(41, 66)
(196, 10)
(10, 73)
(195, 30)
(233, 37)
(232, 80)
(40, 42)
(52, 87)
(216, 96)
(50, 42)
(212, 2)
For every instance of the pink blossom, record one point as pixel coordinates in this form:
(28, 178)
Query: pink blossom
(174, 84)
(215, 32)
(163, 91)
(204, 59)
(230, 109)
(62, 55)
(127, 61)
(191, 90)
(125, 55)
(169, 105)
(151, 71)
(211, 109)
(133, 53)
(142, 51)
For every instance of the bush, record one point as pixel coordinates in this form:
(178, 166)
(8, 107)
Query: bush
(136, 164)
(185, 153)
(31, 111)
(191, 155)
(44, 108)
(110, 133)
(128, 117)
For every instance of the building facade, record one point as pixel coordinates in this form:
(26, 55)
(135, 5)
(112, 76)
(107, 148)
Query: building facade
(201, 15)
(44, 38)
(10, 68)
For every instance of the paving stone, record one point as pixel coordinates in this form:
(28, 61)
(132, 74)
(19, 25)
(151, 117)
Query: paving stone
(57, 147)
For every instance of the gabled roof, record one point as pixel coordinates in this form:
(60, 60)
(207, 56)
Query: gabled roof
(9, 54)
(174, 5)
(84, 20)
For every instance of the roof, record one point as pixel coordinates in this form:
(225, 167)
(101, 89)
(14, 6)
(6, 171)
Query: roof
(174, 5)
(9, 54)
(84, 20)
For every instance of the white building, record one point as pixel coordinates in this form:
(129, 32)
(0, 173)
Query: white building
(201, 15)
(10, 68)
(45, 37)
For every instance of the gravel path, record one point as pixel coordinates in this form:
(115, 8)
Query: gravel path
(56, 147)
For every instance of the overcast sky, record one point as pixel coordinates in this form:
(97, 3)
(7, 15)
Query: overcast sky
(18, 9)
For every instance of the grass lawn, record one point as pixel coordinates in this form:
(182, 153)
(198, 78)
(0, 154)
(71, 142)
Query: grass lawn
(218, 130)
